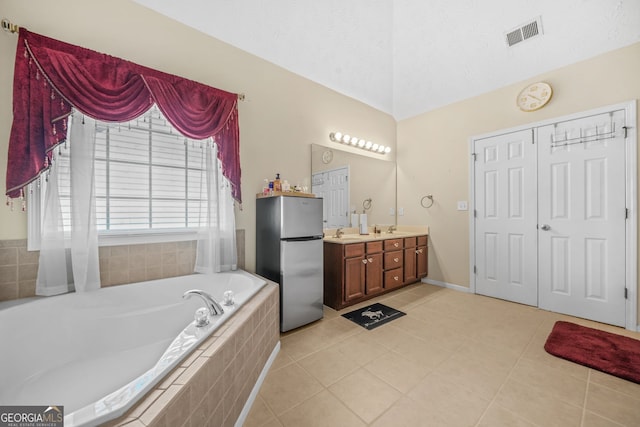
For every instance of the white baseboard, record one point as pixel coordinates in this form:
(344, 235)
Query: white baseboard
(256, 388)
(446, 285)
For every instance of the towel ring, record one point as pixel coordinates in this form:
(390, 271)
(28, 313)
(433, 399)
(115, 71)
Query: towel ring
(428, 196)
(366, 205)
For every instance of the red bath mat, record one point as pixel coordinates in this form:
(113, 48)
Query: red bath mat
(604, 351)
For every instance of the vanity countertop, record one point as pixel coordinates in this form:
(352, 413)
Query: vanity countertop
(351, 235)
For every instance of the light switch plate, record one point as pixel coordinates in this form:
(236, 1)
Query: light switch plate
(462, 205)
(392, 211)
(400, 211)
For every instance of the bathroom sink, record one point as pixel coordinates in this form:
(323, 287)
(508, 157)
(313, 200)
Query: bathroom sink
(346, 238)
(349, 238)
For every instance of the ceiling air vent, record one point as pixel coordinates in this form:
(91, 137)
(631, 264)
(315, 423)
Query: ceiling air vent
(524, 32)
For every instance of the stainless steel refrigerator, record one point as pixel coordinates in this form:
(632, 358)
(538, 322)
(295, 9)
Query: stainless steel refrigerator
(289, 252)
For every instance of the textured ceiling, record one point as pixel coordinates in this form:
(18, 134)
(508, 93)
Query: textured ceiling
(406, 57)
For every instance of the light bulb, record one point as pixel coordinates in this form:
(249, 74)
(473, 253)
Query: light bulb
(381, 149)
(354, 141)
(337, 136)
(368, 145)
(361, 143)
(374, 147)
(387, 150)
(346, 138)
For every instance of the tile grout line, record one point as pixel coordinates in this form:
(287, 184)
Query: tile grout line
(324, 388)
(586, 395)
(520, 357)
(277, 416)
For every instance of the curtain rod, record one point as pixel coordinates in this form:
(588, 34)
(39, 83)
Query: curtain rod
(8, 26)
(13, 28)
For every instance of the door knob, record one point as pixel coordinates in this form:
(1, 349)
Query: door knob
(545, 227)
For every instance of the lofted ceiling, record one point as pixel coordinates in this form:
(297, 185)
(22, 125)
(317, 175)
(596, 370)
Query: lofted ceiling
(406, 57)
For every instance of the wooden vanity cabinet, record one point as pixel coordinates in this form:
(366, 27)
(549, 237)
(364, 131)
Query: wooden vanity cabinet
(410, 259)
(415, 258)
(373, 268)
(355, 272)
(393, 263)
(422, 257)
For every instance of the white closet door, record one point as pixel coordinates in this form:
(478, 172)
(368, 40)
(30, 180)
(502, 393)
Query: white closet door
(582, 218)
(505, 223)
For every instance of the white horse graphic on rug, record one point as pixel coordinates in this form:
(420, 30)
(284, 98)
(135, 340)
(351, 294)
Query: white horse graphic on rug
(373, 315)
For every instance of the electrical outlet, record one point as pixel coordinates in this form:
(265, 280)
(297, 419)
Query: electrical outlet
(400, 211)
(392, 211)
(462, 205)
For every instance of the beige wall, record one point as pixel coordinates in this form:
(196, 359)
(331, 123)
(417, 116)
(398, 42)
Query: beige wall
(433, 148)
(281, 116)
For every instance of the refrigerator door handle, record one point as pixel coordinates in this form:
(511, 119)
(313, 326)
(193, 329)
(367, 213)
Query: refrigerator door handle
(302, 239)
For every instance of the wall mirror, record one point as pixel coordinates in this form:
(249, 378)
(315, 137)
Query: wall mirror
(351, 182)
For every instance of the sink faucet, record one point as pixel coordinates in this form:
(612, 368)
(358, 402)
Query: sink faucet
(214, 308)
(391, 229)
(339, 233)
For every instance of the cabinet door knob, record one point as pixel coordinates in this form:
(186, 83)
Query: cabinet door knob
(419, 251)
(395, 278)
(370, 260)
(364, 261)
(396, 244)
(396, 259)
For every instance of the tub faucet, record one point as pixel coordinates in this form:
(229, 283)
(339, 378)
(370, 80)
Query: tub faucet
(339, 233)
(214, 308)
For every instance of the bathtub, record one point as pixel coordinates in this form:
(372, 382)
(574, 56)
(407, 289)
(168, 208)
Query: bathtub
(98, 352)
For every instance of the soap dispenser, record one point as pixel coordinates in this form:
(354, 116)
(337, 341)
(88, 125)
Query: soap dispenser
(277, 186)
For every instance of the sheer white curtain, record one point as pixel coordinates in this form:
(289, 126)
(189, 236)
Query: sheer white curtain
(52, 268)
(216, 249)
(53, 272)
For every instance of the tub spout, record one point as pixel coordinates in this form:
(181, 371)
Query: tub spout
(214, 308)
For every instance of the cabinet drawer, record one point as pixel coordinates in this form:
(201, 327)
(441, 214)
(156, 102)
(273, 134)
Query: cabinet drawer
(353, 250)
(422, 240)
(409, 242)
(393, 260)
(393, 278)
(374, 247)
(392, 244)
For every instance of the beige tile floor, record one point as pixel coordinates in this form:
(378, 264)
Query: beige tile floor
(455, 359)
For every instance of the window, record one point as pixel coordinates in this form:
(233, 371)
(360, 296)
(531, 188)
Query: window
(150, 182)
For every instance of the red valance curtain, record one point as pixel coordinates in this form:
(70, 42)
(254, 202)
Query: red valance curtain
(52, 77)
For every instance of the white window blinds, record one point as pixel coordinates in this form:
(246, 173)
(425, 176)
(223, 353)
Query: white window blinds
(147, 176)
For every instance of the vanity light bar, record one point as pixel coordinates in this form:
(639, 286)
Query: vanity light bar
(347, 139)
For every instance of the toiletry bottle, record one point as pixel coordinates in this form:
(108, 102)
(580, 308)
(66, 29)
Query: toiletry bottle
(265, 188)
(271, 188)
(286, 186)
(277, 186)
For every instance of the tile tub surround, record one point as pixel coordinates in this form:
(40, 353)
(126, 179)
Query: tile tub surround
(118, 264)
(212, 385)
